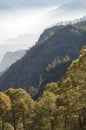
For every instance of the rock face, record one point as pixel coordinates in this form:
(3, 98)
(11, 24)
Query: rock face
(26, 72)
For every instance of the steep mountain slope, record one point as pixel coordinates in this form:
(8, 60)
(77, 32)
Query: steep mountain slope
(9, 58)
(26, 72)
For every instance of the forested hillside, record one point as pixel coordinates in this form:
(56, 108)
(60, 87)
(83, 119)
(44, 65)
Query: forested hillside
(61, 107)
(27, 71)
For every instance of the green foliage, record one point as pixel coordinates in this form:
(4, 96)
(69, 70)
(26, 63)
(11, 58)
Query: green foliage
(73, 87)
(44, 111)
(5, 103)
(22, 108)
(5, 106)
(51, 87)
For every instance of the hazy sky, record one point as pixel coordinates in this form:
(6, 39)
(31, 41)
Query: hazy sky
(18, 17)
(24, 17)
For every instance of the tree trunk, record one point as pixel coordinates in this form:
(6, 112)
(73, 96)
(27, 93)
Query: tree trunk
(2, 123)
(23, 121)
(80, 125)
(65, 123)
(52, 125)
(14, 122)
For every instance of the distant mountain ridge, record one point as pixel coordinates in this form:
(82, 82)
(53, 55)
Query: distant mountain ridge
(21, 42)
(10, 58)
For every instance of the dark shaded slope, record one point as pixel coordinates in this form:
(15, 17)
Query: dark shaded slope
(26, 72)
(54, 75)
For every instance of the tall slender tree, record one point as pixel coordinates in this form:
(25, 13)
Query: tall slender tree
(5, 106)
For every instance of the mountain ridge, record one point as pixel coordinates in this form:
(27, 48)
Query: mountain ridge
(26, 72)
